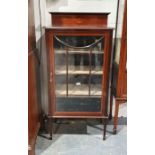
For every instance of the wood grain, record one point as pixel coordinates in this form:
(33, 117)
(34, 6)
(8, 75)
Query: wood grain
(33, 107)
(78, 19)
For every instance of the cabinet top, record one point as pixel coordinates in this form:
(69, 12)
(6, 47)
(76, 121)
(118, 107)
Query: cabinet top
(80, 13)
(79, 18)
(79, 28)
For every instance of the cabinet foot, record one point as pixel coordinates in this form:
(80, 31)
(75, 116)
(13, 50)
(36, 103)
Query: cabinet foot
(116, 116)
(104, 128)
(50, 126)
(114, 131)
(111, 105)
(50, 138)
(110, 116)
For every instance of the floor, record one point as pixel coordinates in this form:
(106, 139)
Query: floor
(84, 137)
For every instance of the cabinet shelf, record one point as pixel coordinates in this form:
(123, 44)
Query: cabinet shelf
(62, 51)
(82, 90)
(74, 70)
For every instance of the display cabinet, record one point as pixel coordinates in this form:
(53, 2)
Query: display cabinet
(78, 65)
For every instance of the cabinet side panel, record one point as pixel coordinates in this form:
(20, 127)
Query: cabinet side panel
(33, 120)
(107, 63)
(33, 109)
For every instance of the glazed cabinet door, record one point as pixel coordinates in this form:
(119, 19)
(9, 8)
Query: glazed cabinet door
(78, 73)
(79, 66)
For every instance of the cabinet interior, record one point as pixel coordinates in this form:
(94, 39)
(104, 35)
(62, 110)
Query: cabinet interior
(78, 72)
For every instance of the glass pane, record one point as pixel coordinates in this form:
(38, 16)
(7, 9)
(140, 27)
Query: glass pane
(77, 104)
(60, 85)
(96, 85)
(78, 85)
(78, 73)
(97, 70)
(60, 70)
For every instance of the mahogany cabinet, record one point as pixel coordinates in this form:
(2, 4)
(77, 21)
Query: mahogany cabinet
(79, 57)
(33, 107)
(119, 73)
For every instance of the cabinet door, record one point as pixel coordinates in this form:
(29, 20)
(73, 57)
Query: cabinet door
(78, 73)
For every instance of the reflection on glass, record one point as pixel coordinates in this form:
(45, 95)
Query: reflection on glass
(60, 85)
(60, 74)
(78, 85)
(96, 83)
